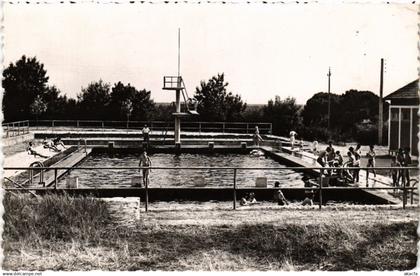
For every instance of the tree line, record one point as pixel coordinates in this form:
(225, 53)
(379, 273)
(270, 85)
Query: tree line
(28, 95)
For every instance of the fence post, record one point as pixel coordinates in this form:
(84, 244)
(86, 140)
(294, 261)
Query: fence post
(146, 201)
(223, 127)
(7, 130)
(18, 128)
(31, 176)
(320, 190)
(41, 177)
(404, 191)
(247, 127)
(199, 127)
(55, 179)
(103, 124)
(77, 123)
(234, 189)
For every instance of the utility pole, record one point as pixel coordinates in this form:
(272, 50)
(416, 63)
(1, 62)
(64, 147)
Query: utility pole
(381, 108)
(329, 97)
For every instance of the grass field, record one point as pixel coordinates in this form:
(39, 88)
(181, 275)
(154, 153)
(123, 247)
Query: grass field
(76, 233)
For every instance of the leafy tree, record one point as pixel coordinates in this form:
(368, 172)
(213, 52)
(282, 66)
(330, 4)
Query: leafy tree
(93, 101)
(127, 101)
(215, 103)
(283, 114)
(23, 82)
(38, 107)
(57, 104)
(347, 112)
(315, 112)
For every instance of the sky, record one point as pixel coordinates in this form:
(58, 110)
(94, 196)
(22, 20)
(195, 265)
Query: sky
(264, 50)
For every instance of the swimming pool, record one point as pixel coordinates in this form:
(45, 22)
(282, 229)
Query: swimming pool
(183, 178)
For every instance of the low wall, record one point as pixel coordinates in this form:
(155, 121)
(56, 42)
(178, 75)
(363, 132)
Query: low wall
(17, 139)
(221, 194)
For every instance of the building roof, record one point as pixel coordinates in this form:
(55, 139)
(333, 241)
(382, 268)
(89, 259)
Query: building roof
(410, 91)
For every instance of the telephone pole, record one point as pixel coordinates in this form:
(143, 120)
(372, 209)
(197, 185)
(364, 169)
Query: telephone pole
(381, 109)
(329, 97)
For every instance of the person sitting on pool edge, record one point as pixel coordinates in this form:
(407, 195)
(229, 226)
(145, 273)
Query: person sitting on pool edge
(33, 152)
(48, 144)
(278, 195)
(145, 161)
(57, 142)
(249, 199)
(309, 194)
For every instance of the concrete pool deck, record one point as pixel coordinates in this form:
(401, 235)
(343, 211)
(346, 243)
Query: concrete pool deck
(300, 158)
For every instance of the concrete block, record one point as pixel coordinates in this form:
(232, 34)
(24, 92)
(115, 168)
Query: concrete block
(199, 181)
(136, 181)
(261, 182)
(243, 145)
(110, 145)
(72, 182)
(211, 145)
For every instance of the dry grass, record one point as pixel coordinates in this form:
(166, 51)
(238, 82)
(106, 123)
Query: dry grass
(64, 233)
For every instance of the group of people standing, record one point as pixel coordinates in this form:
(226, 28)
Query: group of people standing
(333, 158)
(399, 175)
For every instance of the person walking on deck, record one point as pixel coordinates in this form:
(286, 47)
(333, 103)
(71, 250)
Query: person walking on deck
(292, 135)
(146, 132)
(145, 161)
(394, 171)
(257, 137)
(330, 155)
(371, 161)
(400, 160)
(407, 163)
(356, 163)
(350, 163)
(322, 158)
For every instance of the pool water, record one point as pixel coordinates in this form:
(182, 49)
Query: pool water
(183, 178)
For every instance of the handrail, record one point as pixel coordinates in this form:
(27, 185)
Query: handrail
(242, 127)
(15, 122)
(13, 129)
(318, 187)
(210, 168)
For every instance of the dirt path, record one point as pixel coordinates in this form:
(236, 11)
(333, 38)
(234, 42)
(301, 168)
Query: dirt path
(126, 211)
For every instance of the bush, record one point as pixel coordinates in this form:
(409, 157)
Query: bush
(53, 217)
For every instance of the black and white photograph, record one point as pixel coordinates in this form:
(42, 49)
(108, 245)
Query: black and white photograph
(210, 136)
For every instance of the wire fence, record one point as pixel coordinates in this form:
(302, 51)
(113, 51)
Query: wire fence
(14, 129)
(155, 126)
(54, 173)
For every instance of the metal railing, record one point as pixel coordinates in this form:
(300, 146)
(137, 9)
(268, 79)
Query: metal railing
(319, 186)
(14, 129)
(156, 126)
(172, 82)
